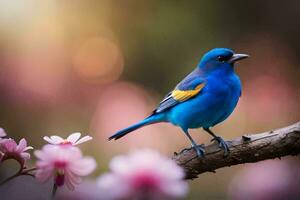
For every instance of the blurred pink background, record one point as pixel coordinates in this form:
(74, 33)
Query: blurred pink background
(99, 66)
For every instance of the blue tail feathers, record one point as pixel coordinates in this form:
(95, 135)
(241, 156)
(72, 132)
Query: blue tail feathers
(149, 120)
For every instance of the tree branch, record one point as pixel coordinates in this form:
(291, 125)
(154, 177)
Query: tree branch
(246, 149)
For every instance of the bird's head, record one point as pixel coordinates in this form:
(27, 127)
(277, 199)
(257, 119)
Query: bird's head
(220, 59)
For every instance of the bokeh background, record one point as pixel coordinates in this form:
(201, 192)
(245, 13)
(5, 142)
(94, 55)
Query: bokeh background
(99, 66)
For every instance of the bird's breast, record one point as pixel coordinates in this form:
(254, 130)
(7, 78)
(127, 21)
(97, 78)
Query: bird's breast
(225, 87)
(224, 94)
(213, 105)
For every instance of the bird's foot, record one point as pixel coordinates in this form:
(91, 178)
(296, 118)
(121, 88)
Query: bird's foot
(222, 144)
(199, 150)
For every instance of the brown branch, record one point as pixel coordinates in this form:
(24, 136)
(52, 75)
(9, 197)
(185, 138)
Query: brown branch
(246, 149)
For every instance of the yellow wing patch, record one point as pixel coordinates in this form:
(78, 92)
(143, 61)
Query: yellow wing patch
(182, 95)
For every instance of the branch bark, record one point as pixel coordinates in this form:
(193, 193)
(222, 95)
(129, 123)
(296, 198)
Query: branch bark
(246, 149)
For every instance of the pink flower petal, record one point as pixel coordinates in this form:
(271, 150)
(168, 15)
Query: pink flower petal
(71, 139)
(73, 178)
(67, 160)
(42, 164)
(2, 141)
(70, 185)
(49, 140)
(113, 187)
(120, 165)
(25, 155)
(84, 167)
(39, 154)
(44, 175)
(144, 170)
(176, 189)
(10, 148)
(84, 139)
(22, 145)
(9, 145)
(28, 148)
(56, 139)
(74, 137)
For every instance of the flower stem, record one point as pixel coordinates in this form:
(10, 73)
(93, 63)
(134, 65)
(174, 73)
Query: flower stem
(19, 173)
(26, 171)
(9, 178)
(54, 189)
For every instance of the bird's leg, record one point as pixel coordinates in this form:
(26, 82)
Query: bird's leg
(199, 150)
(222, 143)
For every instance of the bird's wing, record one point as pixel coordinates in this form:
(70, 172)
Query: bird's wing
(186, 89)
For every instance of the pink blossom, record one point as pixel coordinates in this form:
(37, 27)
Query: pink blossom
(65, 165)
(143, 174)
(72, 139)
(10, 149)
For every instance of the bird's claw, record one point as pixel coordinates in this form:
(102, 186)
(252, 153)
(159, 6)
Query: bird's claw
(222, 144)
(199, 150)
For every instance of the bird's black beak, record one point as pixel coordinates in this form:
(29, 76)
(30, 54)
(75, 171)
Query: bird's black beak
(237, 57)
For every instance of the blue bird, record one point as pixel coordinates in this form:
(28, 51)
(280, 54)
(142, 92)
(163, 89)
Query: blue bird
(204, 98)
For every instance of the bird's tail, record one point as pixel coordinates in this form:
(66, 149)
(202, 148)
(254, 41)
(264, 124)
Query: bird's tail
(149, 120)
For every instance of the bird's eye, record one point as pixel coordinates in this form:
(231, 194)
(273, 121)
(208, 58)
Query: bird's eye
(222, 58)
